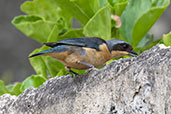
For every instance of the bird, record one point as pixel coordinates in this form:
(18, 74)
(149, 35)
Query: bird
(86, 52)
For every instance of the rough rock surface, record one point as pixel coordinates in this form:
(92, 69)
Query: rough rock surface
(138, 85)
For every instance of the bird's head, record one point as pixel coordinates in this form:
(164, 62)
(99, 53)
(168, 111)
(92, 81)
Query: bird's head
(120, 48)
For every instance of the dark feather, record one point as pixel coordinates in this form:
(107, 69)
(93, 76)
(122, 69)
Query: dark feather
(90, 42)
(36, 54)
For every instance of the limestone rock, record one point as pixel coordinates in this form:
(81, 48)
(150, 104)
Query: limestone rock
(137, 85)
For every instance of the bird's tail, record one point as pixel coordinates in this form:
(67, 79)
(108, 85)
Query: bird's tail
(46, 52)
(37, 54)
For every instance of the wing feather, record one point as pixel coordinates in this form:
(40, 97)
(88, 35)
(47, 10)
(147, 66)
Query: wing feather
(90, 42)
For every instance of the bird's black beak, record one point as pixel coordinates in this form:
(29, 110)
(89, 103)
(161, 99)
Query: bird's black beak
(132, 53)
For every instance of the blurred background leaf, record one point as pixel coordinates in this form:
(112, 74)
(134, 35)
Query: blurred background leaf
(72, 33)
(138, 18)
(48, 10)
(38, 64)
(167, 39)
(32, 81)
(3, 89)
(99, 25)
(34, 27)
(118, 6)
(14, 89)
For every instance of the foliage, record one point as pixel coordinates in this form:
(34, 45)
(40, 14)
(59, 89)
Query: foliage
(167, 39)
(51, 20)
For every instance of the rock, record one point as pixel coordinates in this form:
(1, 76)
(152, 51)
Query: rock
(137, 85)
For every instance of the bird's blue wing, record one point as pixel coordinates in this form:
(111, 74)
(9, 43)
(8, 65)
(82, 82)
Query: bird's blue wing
(90, 42)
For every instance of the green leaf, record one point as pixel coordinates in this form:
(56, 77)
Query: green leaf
(53, 36)
(73, 33)
(77, 71)
(14, 89)
(118, 6)
(99, 25)
(34, 27)
(47, 9)
(62, 72)
(3, 89)
(150, 45)
(74, 10)
(82, 10)
(38, 64)
(148, 38)
(32, 81)
(53, 66)
(90, 8)
(167, 39)
(10, 87)
(102, 3)
(42, 8)
(138, 18)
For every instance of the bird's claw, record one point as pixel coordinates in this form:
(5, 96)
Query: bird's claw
(69, 70)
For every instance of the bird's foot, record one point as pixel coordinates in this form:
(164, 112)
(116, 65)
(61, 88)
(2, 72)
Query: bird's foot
(91, 67)
(69, 70)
